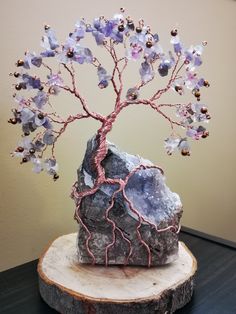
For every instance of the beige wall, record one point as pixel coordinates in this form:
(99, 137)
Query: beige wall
(33, 209)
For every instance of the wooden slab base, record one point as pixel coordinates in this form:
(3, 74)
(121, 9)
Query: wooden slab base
(70, 287)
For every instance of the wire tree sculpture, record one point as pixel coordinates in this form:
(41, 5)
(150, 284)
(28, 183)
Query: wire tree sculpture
(42, 126)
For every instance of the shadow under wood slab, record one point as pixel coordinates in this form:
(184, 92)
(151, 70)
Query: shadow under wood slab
(71, 287)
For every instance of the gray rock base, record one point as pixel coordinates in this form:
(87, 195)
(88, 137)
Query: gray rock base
(147, 190)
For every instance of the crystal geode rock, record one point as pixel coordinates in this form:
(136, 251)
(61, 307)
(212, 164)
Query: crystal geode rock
(147, 190)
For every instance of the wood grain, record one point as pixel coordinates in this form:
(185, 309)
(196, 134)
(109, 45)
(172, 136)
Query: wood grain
(113, 289)
(214, 292)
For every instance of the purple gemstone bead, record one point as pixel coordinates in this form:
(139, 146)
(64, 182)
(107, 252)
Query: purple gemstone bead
(177, 48)
(197, 61)
(47, 54)
(99, 37)
(163, 69)
(107, 30)
(40, 99)
(36, 61)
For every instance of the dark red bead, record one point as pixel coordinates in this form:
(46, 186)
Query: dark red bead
(20, 149)
(18, 87)
(20, 63)
(148, 44)
(121, 28)
(174, 32)
(55, 176)
(12, 121)
(70, 54)
(41, 116)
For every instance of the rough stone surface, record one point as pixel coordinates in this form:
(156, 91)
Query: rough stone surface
(150, 196)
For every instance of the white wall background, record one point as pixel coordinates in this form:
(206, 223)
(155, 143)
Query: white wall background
(34, 210)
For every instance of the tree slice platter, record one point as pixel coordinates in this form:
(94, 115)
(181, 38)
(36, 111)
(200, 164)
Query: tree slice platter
(73, 288)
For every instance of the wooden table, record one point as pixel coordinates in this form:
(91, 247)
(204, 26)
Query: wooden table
(215, 291)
